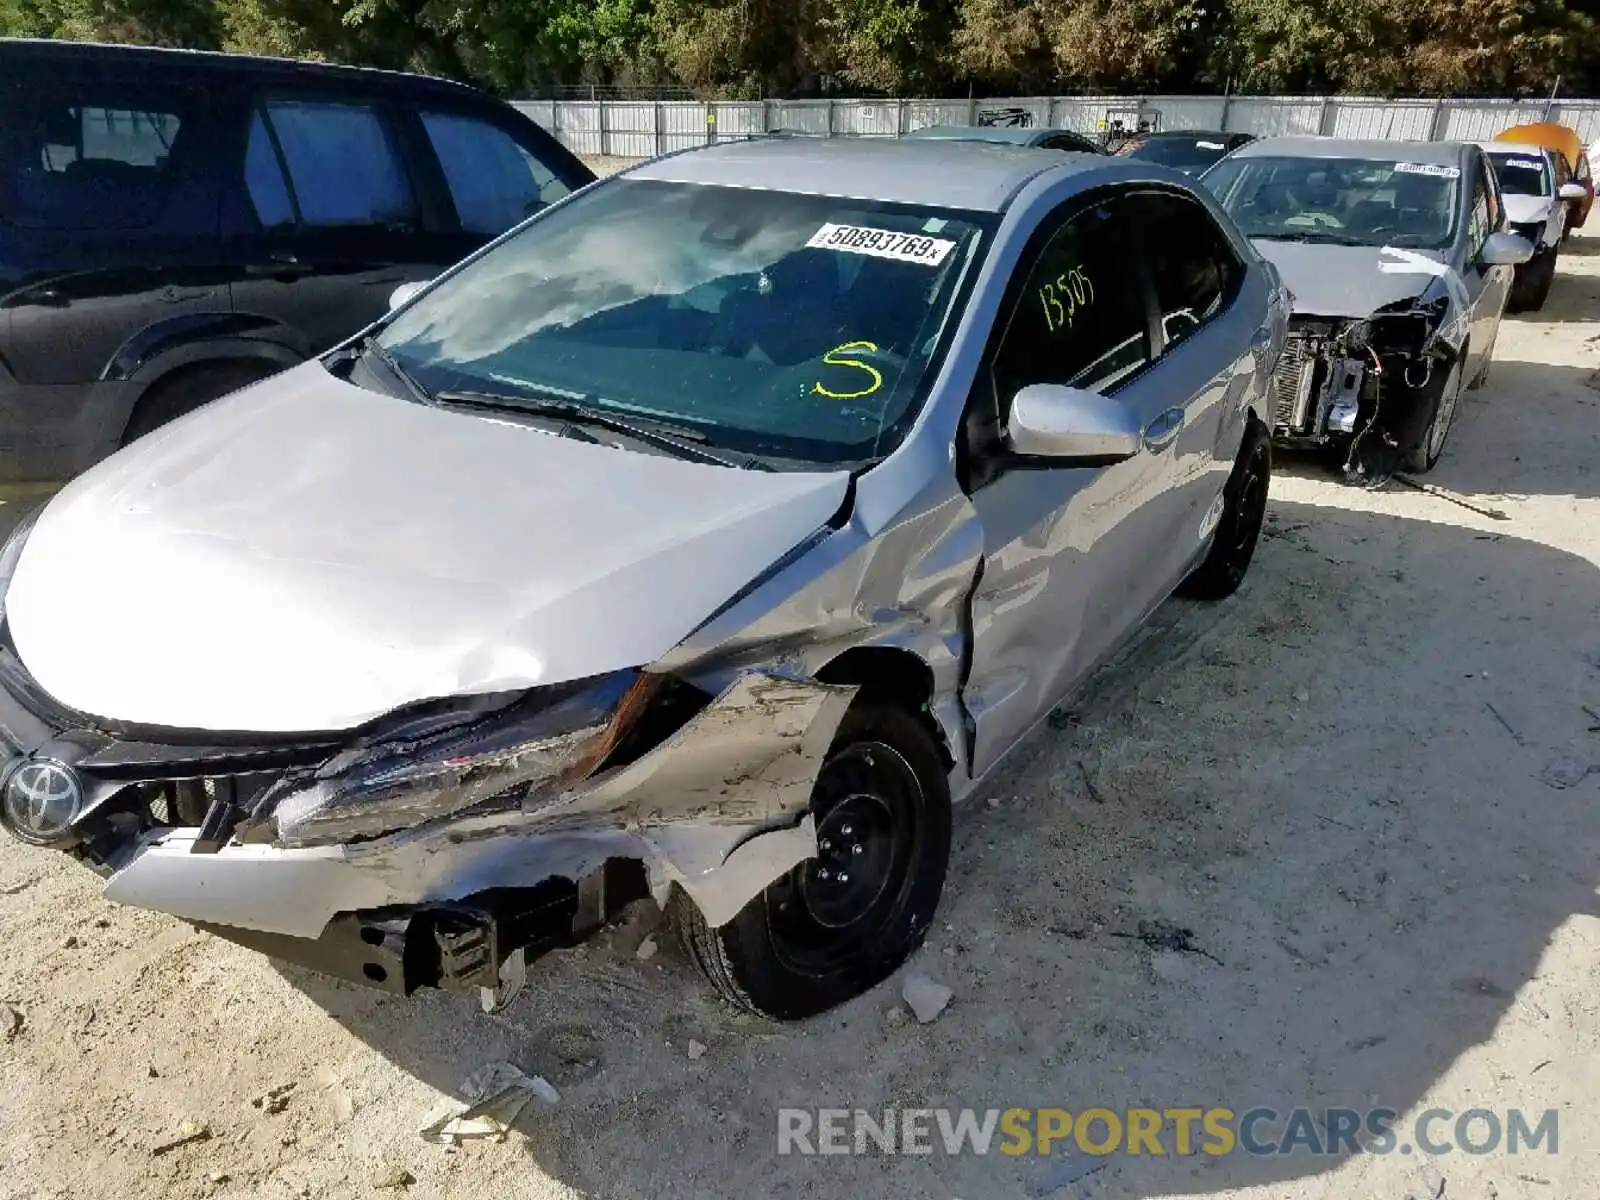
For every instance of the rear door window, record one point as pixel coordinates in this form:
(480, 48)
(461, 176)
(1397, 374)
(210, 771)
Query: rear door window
(1194, 268)
(329, 164)
(494, 180)
(89, 154)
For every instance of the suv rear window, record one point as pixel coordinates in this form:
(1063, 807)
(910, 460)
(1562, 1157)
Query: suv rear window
(88, 155)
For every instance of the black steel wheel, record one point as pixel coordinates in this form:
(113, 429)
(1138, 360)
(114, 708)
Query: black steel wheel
(840, 923)
(1244, 512)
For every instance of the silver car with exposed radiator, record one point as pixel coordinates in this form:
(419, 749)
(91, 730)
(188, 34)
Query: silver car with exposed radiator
(702, 539)
(1399, 258)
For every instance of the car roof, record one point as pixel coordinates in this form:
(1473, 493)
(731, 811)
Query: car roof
(1523, 149)
(207, 62)
(1438, 153)
(1010, 134)
(1208, 134)
(981, 176)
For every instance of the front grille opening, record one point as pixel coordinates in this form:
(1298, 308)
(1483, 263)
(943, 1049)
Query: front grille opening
(184, 803)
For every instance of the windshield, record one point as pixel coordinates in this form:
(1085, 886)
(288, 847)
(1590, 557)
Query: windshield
(801, 328)
(1520, 175)
(1344, 201)
(1186, 154)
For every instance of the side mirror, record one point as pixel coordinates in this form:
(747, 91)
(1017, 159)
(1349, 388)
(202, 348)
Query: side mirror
(1505, 250)
(1573, 191)
(405, 292)
(1051, 421)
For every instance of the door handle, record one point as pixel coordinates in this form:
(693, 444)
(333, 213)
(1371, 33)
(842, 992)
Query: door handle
(281, 266)
(1159, 434)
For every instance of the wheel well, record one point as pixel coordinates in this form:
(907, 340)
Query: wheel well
(894, 675)
(245, 370)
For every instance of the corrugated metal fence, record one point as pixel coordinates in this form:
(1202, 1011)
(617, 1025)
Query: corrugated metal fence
(639, 129)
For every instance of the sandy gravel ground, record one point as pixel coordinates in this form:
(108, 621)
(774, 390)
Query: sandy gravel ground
(1342, 781)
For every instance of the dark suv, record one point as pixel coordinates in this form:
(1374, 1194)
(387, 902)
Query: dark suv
(174, 225)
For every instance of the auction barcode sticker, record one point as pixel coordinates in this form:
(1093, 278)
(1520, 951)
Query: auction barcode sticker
(1437, 170)
(1527, 164)
(882, 243)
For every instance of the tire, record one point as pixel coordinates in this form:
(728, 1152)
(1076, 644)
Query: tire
(1424, 456)
(189, 389)
(814, 939)
(1244, 511)
(1530, 285)
(1539, 285)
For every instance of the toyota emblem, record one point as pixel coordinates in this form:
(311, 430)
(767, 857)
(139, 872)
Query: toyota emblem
(41, 800)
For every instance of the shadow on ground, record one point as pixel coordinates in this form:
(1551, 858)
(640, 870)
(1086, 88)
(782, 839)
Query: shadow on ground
(1327, 779)
(1543, 438)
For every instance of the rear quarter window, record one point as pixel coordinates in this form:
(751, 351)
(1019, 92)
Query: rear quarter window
(495, 180)
(90, 154)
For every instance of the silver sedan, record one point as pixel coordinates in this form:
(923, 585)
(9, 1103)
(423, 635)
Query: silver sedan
(702, 539)
(1399, 257)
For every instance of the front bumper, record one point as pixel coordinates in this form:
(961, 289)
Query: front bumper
(718, 808)
(1538, 234)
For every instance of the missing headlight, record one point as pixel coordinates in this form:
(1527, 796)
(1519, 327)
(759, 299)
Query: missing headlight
(545, 743)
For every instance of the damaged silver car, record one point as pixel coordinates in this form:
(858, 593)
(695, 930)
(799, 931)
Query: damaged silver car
(1400, 263)
(701, 540)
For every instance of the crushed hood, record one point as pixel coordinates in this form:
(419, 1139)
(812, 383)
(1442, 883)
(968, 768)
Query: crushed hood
(307, 555)
(1525, 210)
(1349, 281)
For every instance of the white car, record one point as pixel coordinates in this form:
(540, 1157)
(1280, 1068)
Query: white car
(1535, 209)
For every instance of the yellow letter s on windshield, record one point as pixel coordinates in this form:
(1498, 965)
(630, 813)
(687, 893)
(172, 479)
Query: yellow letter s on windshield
(833, 359)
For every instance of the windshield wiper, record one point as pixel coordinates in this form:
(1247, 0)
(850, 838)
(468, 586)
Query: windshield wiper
(686, 443)
(1329, 239)
(370, 345)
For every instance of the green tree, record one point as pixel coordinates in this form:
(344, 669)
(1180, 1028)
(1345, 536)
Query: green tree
(892, 46)
(1001, 45)
(192, 23)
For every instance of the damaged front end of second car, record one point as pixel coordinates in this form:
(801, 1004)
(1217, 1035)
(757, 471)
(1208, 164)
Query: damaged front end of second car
(1366, 388)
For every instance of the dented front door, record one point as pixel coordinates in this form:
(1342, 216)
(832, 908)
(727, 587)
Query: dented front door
(1072, 554)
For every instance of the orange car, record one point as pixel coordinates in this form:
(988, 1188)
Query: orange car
(1569, 156)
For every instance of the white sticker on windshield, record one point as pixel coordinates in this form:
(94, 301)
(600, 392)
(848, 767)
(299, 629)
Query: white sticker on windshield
(1529, 164)
(1211, 145)
(882, 243)
(1437, 170)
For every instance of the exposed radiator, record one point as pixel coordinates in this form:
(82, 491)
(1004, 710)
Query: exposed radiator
(1291, 385)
